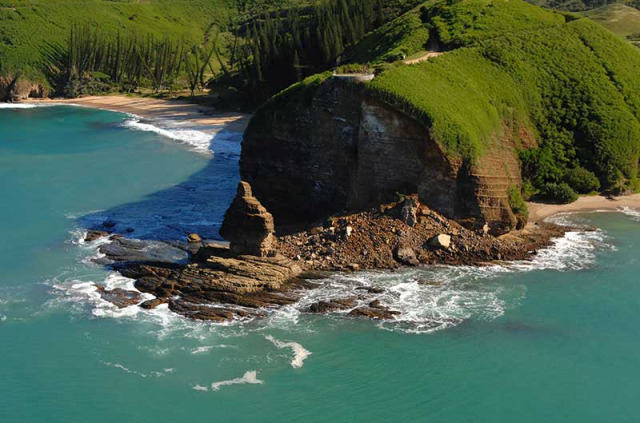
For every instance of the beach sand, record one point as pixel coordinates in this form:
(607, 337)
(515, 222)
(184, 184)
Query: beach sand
(151, 108)
(539, 211)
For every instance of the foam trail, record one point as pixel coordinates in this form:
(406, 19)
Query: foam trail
(198, 140)
(200, 388)
(3, 318)
(201, 350)
(134, 372)
(633, 213)
(299, 352)
(250, 377)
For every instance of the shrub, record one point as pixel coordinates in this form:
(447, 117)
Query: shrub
(517, 203)
(528, 191)
(558, 193)
(582, 180)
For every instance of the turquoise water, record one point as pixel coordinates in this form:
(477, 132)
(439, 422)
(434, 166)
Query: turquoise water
(554, 340)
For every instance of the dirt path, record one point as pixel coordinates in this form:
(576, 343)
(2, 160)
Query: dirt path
(428, 55)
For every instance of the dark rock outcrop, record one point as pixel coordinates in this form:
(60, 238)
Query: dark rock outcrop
(336, 148)
(247, 225)
(120, 297)
(95, 235)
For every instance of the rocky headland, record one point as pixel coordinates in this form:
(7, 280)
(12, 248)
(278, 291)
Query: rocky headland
(258, 270)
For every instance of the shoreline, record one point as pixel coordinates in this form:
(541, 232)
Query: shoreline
(158, 109)
(540, 211)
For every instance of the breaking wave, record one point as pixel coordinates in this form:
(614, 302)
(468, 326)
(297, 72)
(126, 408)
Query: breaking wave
(428, 299)
(17, 106)
(632, 213)
(439, 297)
(299, 352)
(196, 140)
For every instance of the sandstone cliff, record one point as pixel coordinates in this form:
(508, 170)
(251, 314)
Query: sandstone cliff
(333, 148)
(15, 88)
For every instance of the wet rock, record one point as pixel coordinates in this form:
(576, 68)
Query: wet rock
(374, 313)
(194, 238)
(121, 298)
(247, 225)
(441, 241)
(214, 288)
(375, 304)
(332, 305)
(94, 235)
(127, 250)
(371, 289)
(151, 304)
(204, 312)
(109, 224)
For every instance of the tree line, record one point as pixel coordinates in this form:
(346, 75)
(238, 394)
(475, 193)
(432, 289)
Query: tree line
(281, 47)
(93, 61)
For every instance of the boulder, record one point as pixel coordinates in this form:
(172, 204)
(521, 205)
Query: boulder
(247, 225)
(405, 255)
(194, 238)
(151, 304)
(409, 211)
(441, 241)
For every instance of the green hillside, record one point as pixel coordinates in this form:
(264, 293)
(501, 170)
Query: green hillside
(619, 19)
(513, 69)
(27, 28)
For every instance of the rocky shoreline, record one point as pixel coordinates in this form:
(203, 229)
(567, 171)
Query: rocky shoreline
(258, 271)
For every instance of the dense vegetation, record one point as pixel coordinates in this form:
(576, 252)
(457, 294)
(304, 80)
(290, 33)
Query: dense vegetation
(28, 30)
(279, 48)
(560, 84)
(253, 47)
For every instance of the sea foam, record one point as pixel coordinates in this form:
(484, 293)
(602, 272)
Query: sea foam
(633, 213)
(299, 352)
(196, 140)
(433, 298)
(141, 374)
(250, 377)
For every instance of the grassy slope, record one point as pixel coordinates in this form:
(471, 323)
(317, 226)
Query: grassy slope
(27, 26)
(568, 82)
(396, 40)
(617, 18)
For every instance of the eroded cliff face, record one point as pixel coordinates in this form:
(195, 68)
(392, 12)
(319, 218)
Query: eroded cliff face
(338, 149)
(15, 89)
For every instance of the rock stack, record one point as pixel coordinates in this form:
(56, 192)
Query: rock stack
(248, 226)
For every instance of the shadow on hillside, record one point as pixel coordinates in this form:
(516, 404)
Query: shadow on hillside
(196, 205)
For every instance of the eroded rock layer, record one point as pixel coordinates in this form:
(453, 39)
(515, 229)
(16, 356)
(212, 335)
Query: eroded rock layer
(336, 148)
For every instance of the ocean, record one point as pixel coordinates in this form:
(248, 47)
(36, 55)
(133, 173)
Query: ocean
(551, 340)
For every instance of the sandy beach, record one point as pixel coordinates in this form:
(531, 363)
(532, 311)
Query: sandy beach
(159, 109)
(539, 211)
